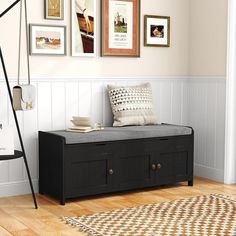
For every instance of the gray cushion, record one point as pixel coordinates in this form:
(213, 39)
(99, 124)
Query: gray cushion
(124, 133)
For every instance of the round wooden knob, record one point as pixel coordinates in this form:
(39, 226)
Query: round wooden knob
(154, 167)
(159, 166)
(111, 172)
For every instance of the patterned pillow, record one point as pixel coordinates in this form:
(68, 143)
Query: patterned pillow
(132, 105)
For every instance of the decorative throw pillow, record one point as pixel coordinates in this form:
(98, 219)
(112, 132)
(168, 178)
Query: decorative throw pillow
(132, 105)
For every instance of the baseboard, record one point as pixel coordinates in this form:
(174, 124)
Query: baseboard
(209, 173)
(17, 188)
(23, 187)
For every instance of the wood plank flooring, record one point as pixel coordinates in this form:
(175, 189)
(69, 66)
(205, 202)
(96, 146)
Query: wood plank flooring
(18, 217)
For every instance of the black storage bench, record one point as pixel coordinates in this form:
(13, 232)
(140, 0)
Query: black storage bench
(115, 159)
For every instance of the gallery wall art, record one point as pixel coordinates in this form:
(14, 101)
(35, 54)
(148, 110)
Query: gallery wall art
(54, 9)
(83, 27)
(156, 31)
(121, 28)
(47, 40)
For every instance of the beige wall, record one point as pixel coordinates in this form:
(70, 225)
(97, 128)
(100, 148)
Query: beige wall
(208, 37)
(198, 43)
(153, 62)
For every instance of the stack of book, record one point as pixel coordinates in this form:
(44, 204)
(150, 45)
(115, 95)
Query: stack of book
(83, 125)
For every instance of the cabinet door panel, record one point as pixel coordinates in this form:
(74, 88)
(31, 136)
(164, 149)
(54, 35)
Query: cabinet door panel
(181, 163)
(164, 168)
(132, 171)
(89, 177)
(89, 174)
(173, 160)
(173, 167)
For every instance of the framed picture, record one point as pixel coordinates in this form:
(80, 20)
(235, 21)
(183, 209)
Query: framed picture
(47, 40)
(156, 31)
(83, 27)
(54, 9)
(121, 28)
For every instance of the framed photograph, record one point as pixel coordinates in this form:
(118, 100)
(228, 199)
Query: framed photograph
(121, 28)
(47, 40)
(54, 9)
(83, 27)
(156, 31)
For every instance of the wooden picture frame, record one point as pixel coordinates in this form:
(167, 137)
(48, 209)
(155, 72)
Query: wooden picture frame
(156, 31)
(84, 28)
(54, 9)
(47, 40)
(120, 28)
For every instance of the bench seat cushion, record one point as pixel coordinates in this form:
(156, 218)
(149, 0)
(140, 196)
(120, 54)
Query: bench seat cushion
(124, 133)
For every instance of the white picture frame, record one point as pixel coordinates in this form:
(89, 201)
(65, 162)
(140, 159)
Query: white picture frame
(84, 34)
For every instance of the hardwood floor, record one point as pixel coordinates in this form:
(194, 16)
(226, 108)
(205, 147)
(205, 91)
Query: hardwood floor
(18, 217)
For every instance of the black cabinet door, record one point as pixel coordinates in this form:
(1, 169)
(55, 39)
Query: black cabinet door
(132, 165)
(172, 159)
(89, 171)
(170, 167)
(132, 171)
(164, 168)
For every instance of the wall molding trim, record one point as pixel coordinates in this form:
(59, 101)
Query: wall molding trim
(207, 79)
(17, 188)
(99, 78)
(230, 127)
(173, 78)
(208, 172)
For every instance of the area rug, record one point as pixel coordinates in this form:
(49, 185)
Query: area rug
(198, 216)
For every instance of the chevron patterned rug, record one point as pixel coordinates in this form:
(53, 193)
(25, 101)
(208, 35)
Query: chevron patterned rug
(198, 216)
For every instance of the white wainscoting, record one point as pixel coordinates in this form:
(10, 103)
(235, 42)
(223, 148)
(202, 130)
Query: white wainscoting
(207, 117)
(197, 102)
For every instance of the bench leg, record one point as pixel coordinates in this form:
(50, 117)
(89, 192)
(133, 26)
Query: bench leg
(62, 201)
(190, 182)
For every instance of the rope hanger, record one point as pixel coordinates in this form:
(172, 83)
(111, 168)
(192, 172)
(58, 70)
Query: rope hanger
(27, 41)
